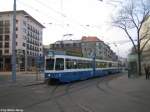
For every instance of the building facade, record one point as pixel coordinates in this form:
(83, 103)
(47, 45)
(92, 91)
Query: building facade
(71, 47)
(28, 40)
(92, 46)
(86, 47)
(145, 32)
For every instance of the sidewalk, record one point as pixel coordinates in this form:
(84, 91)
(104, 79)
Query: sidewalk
(22, 78)
(126, 83)
(138, 88)
(18, 73)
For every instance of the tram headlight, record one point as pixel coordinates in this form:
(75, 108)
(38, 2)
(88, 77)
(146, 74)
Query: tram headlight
(49, 75)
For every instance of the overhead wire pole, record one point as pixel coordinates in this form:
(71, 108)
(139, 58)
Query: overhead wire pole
(94, 54)
(13, 60)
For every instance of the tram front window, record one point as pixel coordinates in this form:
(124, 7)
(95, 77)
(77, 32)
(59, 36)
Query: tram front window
(59, 64)
(49, 64)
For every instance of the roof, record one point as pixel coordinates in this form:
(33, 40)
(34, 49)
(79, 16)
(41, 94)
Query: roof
(90, 39)
(67, 41)
(80, 58)
(25, 13)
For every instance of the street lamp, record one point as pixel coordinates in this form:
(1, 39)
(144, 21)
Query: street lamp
(13, 59)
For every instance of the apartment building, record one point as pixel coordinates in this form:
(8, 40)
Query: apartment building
(87, 47)
(145, 32)
(91, 45)
(71, 47)
(28, 40)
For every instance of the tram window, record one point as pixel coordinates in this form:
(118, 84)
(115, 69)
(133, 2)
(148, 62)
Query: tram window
(78, 64)
(110, 65)
(114, 64)
(71, 64)
(49, 64)
(59, 64)
(101, 64)
(89, 64)
(84, 64)
(75, 64)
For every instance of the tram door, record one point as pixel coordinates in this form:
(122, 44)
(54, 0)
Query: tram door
(59, 65)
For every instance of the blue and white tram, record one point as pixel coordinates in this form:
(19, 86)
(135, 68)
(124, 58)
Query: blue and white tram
(65, 68)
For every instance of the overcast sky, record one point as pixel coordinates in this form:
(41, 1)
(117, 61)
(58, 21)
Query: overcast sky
(77, 17)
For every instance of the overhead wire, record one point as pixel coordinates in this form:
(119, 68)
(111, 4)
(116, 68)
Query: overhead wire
(62, 14)
(71, 21)
(36, 10)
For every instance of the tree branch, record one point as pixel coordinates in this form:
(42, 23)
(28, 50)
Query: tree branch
(133, 20)
(146, 33)
(144, 45)
(126, 31)
(144, 37)
(144, 19)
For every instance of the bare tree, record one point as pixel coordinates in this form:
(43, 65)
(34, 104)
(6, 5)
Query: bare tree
(131, 18)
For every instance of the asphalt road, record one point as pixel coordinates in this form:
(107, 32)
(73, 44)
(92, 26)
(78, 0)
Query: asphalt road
(115, 93)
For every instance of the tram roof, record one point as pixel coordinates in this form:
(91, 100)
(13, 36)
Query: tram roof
(80, 58)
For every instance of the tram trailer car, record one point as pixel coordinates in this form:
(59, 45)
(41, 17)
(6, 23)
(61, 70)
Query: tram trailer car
(63, 68)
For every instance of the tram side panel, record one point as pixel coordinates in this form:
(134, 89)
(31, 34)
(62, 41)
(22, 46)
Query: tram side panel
(67, 69)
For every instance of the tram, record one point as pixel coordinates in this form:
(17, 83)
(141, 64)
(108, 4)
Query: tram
(63, 68)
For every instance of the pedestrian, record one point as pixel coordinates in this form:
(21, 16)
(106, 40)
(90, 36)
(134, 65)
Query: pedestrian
(147, 70)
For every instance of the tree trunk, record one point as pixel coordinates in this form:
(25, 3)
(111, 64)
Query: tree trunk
(139, 56)
(139, 64)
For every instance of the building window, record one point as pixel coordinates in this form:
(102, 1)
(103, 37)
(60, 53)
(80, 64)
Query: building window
(16, 28)
(74, 44)
(1, 37)
(6, 51)
(1, 30)
(7, 29)
(24, 44)
(1, 44)
(6, 37)
(16, 21)
(16, 43)
(24, 22)
(24, 30)
(0, 52)
(7, 23)
(1, 23)
(7, 45)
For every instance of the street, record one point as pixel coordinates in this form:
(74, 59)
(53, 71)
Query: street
(114, 93)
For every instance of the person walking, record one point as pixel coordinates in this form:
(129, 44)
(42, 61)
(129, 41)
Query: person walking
(147, 70)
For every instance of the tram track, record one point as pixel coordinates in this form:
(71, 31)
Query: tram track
(80, 106)
(44, 100)
(56, 98)
(104, 86)
(58, 91)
